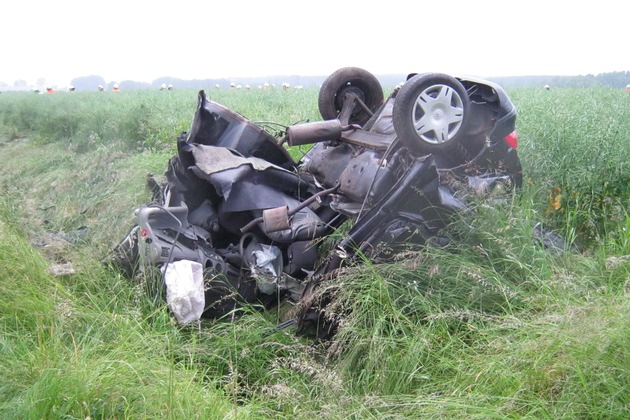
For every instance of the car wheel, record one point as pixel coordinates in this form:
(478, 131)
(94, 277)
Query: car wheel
(344, 84)
(430, 113)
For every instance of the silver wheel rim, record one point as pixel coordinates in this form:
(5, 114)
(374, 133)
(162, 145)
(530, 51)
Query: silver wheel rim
(438, 114)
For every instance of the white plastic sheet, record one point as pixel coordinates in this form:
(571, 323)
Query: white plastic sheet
(268, 268)
(185, 290)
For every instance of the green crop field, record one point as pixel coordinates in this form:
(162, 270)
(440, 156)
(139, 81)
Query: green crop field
(492, 326)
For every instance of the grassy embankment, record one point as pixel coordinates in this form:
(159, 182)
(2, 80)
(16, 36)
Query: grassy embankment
(492, 326)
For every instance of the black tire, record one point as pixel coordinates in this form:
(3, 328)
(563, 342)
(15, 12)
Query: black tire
(350, 80)
(431, 113)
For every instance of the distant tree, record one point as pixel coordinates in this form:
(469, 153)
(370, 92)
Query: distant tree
(88, 82)
(41, 82)
(21, 84)
(157, 83)
(618, 79)
(133, 85)
(614, 79)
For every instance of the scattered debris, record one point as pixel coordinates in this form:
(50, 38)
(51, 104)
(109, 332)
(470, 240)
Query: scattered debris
(61, 270)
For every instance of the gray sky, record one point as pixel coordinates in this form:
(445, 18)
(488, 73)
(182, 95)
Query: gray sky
(142, 40)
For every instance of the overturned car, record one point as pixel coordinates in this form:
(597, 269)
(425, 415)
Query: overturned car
(391, 170)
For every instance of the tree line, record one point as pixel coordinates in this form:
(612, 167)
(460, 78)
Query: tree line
(619, 79)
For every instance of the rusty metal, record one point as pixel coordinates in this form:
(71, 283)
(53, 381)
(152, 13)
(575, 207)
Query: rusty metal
(329, 130)
(275, 220)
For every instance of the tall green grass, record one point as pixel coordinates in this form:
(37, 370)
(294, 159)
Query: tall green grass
(574, 155)
(81, 347)
(493, 325)
(136, 120)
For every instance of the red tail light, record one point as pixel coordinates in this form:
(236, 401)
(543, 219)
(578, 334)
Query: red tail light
(512, 140)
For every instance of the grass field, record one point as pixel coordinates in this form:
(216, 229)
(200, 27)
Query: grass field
(493, 326)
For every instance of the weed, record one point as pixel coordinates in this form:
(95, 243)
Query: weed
(492, 325)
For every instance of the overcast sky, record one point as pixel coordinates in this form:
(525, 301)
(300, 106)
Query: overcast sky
(142, 40)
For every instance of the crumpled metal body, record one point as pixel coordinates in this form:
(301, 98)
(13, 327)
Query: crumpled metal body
(256, 221)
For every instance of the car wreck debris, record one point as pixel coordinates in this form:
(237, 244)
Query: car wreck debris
(394, 170)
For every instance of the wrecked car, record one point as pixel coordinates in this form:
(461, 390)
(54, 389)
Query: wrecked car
(392, 171)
